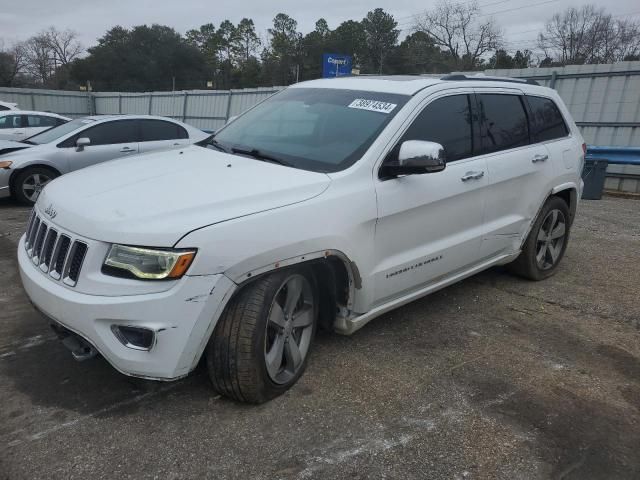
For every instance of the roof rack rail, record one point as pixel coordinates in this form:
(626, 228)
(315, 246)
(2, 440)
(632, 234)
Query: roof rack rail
(483, 78)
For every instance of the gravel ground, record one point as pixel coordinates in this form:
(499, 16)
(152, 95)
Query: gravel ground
(494, 377)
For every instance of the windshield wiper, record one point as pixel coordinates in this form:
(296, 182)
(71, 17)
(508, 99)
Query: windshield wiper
(257, 154)
(214, 143)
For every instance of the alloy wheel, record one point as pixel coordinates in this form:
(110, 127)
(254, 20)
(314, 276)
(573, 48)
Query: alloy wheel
(289, 329)
(551, 239)
(33, 185)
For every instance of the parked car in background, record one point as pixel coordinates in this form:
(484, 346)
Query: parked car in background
(84, 142)
(8, 106)
(21, 124)
(328, 204)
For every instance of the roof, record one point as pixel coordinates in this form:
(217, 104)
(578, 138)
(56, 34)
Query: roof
(30, 112)
(400, 84)
(403, 84)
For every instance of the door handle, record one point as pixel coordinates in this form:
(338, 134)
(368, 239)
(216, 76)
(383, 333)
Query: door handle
(472, 176)
(127, 150)
(540, 158)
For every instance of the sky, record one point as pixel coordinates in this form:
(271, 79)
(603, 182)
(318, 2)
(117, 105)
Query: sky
(520, 20)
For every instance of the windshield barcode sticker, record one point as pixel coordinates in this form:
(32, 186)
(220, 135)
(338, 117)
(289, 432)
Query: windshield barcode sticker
(373, 105)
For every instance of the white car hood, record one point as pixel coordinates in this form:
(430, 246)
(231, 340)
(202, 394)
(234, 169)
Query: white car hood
(157, 198)
(7, 146)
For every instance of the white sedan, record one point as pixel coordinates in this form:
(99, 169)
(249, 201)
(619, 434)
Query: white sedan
(21, 124)
(28, 165)
(8, 106)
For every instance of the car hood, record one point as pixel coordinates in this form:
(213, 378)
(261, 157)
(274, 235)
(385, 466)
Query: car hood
(154, 199)
(8, 146)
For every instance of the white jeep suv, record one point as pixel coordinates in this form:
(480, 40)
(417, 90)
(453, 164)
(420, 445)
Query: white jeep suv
(330, 203)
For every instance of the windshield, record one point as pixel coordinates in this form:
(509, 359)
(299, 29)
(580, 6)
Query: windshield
(323, 130)
(55, 133)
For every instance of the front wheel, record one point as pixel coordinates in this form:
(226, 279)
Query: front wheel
(30, 182)
(261, 343)
(545, 246)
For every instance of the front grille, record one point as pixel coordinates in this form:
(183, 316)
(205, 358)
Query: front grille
(55, 253)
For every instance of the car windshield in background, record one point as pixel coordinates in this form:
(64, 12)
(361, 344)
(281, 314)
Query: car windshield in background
(323, 130)
(55, 133)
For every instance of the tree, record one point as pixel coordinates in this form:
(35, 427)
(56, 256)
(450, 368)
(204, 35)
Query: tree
(349, 39)
(315, 44)
(417, 54)
(589, 35)
(246, 42)
(39, 61)
(501, 59)
(142, 58)
(282, 59)
(456, 28)
(12, 64)
(63, 45)
(381, 36)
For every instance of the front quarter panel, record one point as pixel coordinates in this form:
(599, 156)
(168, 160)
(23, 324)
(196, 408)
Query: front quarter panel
(342, 219)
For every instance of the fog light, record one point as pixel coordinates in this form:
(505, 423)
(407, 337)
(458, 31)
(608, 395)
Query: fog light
(134, 337)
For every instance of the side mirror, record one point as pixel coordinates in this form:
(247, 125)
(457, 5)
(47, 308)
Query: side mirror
(81, 143)
(417, 157)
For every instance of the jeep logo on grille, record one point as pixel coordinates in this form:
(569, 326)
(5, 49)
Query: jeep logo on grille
(51, 212)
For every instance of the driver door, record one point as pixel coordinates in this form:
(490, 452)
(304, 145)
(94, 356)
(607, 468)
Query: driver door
(430, 225)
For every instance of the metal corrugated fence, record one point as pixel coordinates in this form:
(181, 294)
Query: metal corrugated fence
(603, 99)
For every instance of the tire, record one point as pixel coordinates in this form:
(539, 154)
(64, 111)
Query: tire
(541, 252)
(29, 182)
(257, 328)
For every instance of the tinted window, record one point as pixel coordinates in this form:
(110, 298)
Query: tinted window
(504, 122)
(10, 121)
(446, 121)
(2, 107)
(41, 121)
(122, 131)
(548, 123)
(152, 130)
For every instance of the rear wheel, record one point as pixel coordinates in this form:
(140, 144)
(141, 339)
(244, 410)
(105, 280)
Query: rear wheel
(545, 246)
(30, 182)
(261, 343)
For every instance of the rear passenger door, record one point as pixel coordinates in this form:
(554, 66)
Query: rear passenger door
(160, 134)
(520, 170)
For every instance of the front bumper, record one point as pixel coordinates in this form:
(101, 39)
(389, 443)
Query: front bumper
(4, 182)
(182, 318)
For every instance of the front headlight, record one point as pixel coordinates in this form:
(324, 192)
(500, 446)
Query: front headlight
(148, 263)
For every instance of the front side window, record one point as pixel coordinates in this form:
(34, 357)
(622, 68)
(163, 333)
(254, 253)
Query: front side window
(318, 129)
(446, 121)
(547, 120)
(111, 133)
(155, 130)
(504, 122)
(58, 132)
(10, 121)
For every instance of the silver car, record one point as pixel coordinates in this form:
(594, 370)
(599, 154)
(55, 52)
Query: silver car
(84, 142)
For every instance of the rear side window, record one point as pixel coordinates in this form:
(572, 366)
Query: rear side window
(547, 121)
(504, 122)
(446, 121)
(110, 133)
(41, 121)
(11, 121)
(154, 130)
